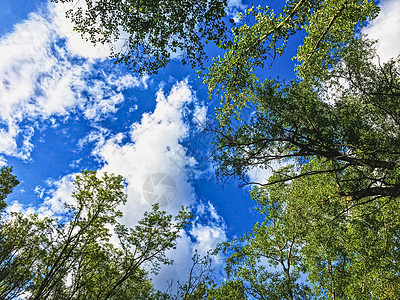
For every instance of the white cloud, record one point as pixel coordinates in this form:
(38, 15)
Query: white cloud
(3, 161)
(100, 105)
(209, 228)
(234, 8)
(208, 233)
(14, 207)
(200, 117)
(154, 145)
(55, 194)
(207, 237)
(261, 175)
(236, 4)
(386, 29)
(40, 79)
(97, 136)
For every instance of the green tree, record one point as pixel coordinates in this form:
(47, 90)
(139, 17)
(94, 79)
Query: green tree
(149, 31)
(308, 234)
(8, 182)
(335, 127)
(20, 237)
(72, 257)
(342, 106)
(229, 290)
(267, 261)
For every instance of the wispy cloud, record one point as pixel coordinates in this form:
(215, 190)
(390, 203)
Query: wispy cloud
(235, 6)
(209, 228)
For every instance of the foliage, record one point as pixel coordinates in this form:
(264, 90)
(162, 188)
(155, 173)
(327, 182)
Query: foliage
(330, 25)
(7, 183)
(308, 233)
(23, 241)
(330, 137)
(20, 238)
(267, 260)
(73, 257)
(229, 290)
(343, 106)
(331, 209)
(149, 32)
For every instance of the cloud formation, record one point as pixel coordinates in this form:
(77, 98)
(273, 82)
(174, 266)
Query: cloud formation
(153, 146)
(43, 76)
(386, 30)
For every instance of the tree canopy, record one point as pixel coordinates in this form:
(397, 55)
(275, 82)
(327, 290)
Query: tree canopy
(147, 33)
(330, 139)
(309, 247)
(342, 106)
(73, 257)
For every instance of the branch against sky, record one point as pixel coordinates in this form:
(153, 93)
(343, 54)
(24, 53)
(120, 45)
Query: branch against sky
(149, 33)
(331, 138)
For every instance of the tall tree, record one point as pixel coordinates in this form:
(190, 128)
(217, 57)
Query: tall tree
(310, 246)
(20, 237)
(148, 32)
(342, 106)
(336, 128)
(73, 257)
(267, 261)
(8, 182)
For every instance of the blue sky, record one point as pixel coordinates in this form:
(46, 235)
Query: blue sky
(65, 107)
